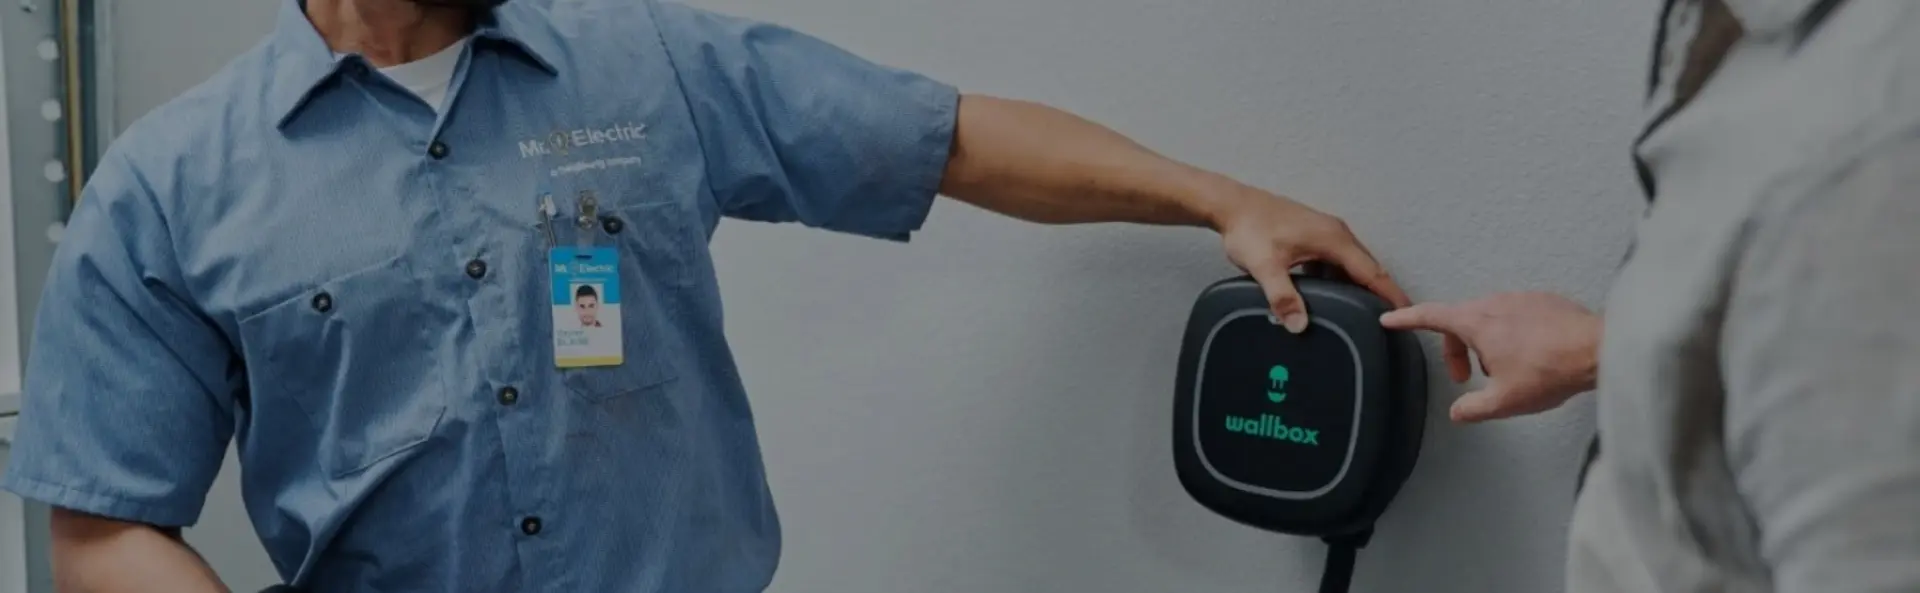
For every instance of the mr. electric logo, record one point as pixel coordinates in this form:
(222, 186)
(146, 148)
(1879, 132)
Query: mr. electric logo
(564, 142)
(1270, 425)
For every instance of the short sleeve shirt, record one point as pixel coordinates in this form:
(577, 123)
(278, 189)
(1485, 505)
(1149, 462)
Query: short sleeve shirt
(302, 260)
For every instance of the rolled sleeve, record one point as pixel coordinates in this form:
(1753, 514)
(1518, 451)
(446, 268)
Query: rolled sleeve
(126, 411)
(1823, 370)
(795, 129)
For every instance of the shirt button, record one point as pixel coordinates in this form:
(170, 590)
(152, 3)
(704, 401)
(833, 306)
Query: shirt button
(530, 526)
(437, 150)
(509, 395)
(323, 302)
(613, 225)
(476, 269)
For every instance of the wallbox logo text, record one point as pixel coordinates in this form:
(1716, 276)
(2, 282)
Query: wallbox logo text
(1270, 425)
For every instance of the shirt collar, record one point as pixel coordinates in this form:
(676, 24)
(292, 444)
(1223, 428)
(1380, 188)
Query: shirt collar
(1764, 18)
(301, 60)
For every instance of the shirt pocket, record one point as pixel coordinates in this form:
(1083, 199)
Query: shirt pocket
(657, 249)
(356, 355)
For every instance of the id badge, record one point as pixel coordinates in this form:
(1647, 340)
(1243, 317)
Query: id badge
(586, 306)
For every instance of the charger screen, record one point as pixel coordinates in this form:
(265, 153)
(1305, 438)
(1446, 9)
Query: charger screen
(1276, 410)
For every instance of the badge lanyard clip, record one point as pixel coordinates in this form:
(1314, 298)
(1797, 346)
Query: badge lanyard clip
(588, 217)
(547, 211)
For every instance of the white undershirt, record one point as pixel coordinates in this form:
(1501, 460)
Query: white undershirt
(429, 77)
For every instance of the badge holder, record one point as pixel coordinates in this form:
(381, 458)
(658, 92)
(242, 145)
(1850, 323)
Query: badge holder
(584, 289)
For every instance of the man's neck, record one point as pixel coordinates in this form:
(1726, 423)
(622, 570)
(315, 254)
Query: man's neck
(387, 32)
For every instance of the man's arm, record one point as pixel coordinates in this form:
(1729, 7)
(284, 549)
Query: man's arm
(96, 554)
(127, 407)
(1821, 352)
(798, 130)
(1042, 164)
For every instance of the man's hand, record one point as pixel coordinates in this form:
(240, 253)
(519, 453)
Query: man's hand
(1268, 235)
(1538, 350)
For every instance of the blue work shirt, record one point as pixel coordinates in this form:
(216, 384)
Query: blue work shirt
(302, 258)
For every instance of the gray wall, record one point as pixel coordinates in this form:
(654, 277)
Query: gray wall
(993, 412)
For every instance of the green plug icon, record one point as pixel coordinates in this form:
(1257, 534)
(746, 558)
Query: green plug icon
(1277, 383)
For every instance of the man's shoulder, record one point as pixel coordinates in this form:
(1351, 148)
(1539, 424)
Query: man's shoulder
(177, 151)
(228, 104)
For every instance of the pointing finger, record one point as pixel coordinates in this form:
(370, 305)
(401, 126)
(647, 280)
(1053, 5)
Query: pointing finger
(1438, 317)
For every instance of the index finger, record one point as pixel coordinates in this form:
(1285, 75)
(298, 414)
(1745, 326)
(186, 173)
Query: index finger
(1438, 317)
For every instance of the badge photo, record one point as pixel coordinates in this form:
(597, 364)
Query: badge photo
(586, 307)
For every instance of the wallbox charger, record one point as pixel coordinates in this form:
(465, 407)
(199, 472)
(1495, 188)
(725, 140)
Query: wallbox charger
(1308, 434)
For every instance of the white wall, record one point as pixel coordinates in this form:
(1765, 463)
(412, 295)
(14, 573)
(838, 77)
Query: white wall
(993, 414)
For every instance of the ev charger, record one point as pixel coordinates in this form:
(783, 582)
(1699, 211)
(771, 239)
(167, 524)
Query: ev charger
(1308, 434)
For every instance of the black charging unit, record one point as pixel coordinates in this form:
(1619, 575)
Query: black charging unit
(1308, 434)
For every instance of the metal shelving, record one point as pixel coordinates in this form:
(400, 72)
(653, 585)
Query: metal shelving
(59, 110)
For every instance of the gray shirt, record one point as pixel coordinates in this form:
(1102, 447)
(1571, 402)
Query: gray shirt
(1760, 377)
